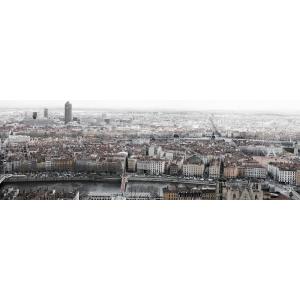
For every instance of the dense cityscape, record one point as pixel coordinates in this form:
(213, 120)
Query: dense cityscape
(76, 153)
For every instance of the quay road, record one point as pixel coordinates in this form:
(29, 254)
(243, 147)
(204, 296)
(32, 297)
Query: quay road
(295, 195)
(97, 178)
(285, 189)
(37, 178)
(4, 177)
(170, 179)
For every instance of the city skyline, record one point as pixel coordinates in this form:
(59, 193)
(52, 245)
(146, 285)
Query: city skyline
(214, 80)
(195, 56)
(166, 155)
(285, 107)
(150, 101)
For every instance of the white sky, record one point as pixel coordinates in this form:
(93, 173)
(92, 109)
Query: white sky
(171, 54)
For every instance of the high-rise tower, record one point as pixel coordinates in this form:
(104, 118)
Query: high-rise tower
(46, 113)
(68, 112)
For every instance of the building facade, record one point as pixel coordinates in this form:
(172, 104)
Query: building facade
(152, 167)
(298, 177)
(68, 112)
(255, 172)
(131, 164)
(231, 172)
(242, 191)
(283, 173)
(193, 170)
(214, 169)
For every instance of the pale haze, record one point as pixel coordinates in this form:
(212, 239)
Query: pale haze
(151, 54)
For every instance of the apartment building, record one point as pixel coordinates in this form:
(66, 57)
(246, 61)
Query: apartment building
(284, 173)
(214, 169)
(131, 164)
(151, 166)
(231, 171)
(193, 167)
(255, 171)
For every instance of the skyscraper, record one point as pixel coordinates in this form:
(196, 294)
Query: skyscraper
(46, 113)
(34, 115)
(68, 112)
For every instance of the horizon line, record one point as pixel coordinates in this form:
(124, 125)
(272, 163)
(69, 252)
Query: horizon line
(155, 109)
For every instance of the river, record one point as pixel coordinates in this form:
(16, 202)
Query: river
(85, 188)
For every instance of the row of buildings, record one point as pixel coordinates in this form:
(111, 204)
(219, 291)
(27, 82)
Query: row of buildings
(26, 154)
(239, 190)
(112, 166)
(195, 166)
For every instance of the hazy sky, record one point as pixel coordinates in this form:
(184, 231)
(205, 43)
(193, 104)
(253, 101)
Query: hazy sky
(151, 54)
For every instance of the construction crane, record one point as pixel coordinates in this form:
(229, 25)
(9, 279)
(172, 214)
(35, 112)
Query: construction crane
(214, 127)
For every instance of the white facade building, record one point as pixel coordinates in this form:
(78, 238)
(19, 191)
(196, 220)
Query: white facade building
(153, 166)
(287, 176)
(151, 151)
(193, 170)
(255, 172)
(283, 173)
(156, 152)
